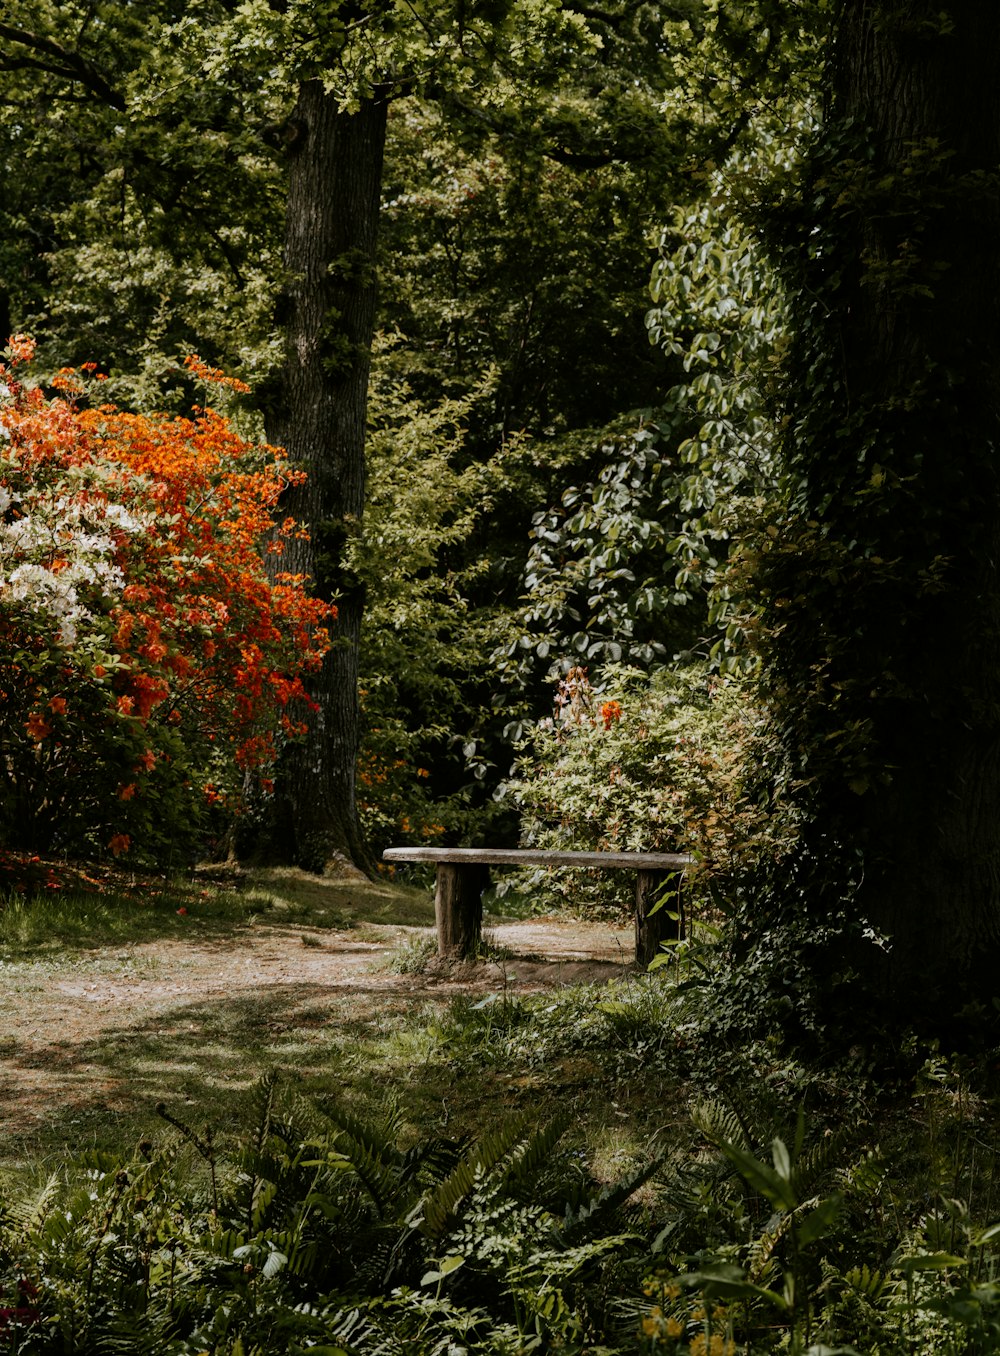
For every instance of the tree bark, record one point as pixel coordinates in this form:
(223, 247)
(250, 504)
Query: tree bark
(884, 656)
(319, 416)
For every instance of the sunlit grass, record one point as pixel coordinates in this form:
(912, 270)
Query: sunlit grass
(448, 1064)
(149, 909)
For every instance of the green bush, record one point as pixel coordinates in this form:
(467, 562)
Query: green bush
(317, 1232)
(641, 764)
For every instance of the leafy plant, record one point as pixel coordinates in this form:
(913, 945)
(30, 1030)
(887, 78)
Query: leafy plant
(641, 764)
(803, 1249)
(147, 660)
(316, 1230)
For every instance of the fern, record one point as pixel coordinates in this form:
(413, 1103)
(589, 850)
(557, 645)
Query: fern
(527, 1165)
(27, 1217)
(376, 1161)
(587, 1220)
(440, 1207)
(866, 1281)
(720, 1123)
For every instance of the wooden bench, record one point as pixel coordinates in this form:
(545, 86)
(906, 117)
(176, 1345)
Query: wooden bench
(462, 875)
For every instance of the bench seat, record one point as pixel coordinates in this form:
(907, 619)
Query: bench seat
(462, 875)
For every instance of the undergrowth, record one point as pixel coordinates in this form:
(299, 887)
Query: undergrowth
(612, 1171)
(769, 1229)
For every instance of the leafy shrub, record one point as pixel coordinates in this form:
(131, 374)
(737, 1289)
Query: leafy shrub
(148, 662)
(316, 1232)
(779, 1241)
(644, 764)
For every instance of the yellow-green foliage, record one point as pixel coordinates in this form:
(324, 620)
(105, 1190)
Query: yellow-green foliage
(643, 764)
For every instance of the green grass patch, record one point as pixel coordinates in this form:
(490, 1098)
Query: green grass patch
(142, 909)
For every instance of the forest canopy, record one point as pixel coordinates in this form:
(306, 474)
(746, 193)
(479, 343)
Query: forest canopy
(650, 340)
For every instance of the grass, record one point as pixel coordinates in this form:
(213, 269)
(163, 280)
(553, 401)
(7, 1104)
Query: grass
(138, 909)
(60, 949)
(444, 1059)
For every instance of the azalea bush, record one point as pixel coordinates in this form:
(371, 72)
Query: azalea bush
(642, 764)
(150, 662)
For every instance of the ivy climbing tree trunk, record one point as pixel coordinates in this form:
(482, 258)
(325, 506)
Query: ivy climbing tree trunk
(328, 312)
(881, 592)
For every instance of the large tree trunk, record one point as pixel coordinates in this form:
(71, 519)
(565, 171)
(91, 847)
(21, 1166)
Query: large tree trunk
(883, 591)
(335, 176)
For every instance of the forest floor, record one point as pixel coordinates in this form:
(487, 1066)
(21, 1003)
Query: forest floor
(92, 1034)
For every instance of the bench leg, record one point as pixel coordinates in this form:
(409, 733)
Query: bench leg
(653, 929)
(458, 906)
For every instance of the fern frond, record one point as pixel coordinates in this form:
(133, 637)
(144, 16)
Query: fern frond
(867, 1281)
(762, 1267)
(264, 1095)
(379, 1179)
(440, 1207)
(376, 1140)
(523, 1171)
(720, 1123)
(814, 1162)
(28, 1215)
(438, 1154)
(587, 1220)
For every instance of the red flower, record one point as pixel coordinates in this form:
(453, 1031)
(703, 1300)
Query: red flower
(37, 726)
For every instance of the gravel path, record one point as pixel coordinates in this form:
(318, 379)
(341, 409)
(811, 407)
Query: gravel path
(57, 1012)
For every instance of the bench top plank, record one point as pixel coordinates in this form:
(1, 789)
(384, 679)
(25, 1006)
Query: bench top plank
(637, 861)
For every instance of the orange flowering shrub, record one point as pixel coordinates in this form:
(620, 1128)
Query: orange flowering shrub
(648, 764)
(148, 664)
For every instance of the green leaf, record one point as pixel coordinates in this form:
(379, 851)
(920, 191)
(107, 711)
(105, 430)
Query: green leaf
(763, 1178)
(820, 1221)
(726, 1282)
(781, 1159)
(929, 1261)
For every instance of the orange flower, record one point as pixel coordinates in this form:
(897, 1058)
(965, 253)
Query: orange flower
(37, 726)
(125, 705)
(127, 792)
(610, 712)
(119, 844)
(21, 348)
(58, 705)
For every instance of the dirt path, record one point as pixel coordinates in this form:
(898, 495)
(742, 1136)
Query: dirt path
(66, 1018)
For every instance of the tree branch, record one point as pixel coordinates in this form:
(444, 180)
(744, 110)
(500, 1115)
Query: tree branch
(69, 65)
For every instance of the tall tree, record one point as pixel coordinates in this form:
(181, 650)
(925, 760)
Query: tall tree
(334, 187)
(165, 116)
(148, 112)
(880, 589)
